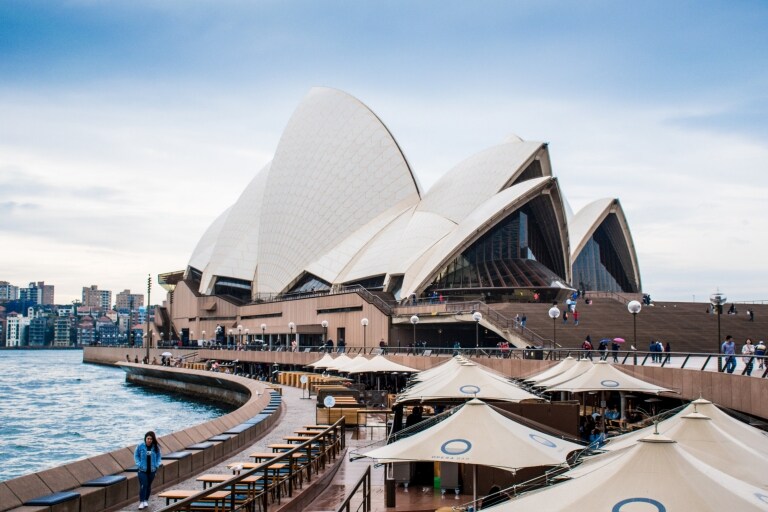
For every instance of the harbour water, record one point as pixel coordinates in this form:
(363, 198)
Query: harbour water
(54, 409)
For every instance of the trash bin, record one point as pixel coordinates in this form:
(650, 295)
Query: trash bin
(389, 492)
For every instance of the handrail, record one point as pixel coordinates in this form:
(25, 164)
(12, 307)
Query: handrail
(263, 469)
(365, 481)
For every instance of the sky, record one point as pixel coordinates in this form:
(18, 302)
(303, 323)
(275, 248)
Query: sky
(128, 126)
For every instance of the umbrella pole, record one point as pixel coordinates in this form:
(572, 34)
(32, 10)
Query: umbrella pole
(474, 484)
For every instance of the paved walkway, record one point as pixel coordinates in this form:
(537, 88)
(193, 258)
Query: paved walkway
(296, 412)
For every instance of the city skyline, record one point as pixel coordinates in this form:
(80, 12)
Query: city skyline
(132, 126)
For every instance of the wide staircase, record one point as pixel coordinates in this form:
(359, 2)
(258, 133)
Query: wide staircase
(685, 325)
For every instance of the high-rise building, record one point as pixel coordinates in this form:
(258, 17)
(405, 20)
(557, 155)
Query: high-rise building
(13, 330)
(61, 329)
(95, 298)
(8, 291)
(123, 300)
(37, 329)
(31, 294)
(46, 298)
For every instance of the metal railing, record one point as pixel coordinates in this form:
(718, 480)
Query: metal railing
(365, 504)
(270, 482)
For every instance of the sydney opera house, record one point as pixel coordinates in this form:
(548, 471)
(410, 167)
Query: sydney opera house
(335, 238)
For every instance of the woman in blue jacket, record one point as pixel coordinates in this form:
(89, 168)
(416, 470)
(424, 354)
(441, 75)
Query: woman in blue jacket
(147, 458)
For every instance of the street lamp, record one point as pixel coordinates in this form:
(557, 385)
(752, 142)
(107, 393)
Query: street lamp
(364, 323)
(414, 321)
(292, 326)
(717, 300)
(554, 313)
(263, 330)
(239, 335)
(477, 316)
(246, 331)
(324, 323)
(203, 337)
(634, 307)
(229, 338)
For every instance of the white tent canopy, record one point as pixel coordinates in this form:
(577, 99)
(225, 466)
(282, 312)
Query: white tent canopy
(353, 363)
(379, 364)
(340, 362)
(477, 434)
(445, 367)
(603, 376)
(579, 367)
(553, 371)
(323, 362)
(467, 380)
(751, 436)
(656, 474)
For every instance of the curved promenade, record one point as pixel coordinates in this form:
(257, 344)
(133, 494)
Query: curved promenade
(70, 487)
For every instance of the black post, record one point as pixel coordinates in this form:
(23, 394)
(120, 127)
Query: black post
(719, 311)
(634, 337)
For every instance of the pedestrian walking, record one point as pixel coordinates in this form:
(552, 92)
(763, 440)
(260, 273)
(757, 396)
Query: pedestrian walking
(748, 356)
(147, 458)
(729, 349)
(759, 353)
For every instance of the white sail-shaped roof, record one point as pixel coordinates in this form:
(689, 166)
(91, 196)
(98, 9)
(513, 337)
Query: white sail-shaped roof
(460, 191)
(603, 376)
(554, 371)
(335, 156)
(236, 249)
(201, 255)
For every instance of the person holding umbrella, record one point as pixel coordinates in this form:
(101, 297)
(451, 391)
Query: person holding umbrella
(615, 348)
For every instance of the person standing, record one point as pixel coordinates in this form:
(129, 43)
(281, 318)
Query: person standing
(668, 351)
(748, 356)
(729, 349)
(147, 457)
(587, 347)
(576, 317)
(759, 353)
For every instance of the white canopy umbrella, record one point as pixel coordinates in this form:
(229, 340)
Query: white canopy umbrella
(657, 474)
(603, 376)
(579, 367)
(340, 362)
(468, 380)
(553, 371)
(477, 434)
(702, 438)
(354, 362)
(755, 438)
(323, 362)
(379, 364)
(445, 367)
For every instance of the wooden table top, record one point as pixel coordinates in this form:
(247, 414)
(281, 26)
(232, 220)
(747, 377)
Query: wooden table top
(180, 494)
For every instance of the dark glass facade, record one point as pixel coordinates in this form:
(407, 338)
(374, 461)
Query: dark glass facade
(605, 263)
(523, 251)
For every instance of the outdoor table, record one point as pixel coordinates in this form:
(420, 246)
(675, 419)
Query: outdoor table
(218, 498)
(209, 480)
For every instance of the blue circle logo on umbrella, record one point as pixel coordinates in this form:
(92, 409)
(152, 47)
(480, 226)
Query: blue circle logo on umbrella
(609, 383)
(456, 447)
(470, 389)
(659, 507)
(542, 440)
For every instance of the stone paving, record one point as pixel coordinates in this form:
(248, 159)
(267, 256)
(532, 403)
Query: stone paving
(296, 412)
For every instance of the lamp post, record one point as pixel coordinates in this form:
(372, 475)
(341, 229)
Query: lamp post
(477, 316)
(292, 326)
(149, 290)
(324, 323)
(364, 323)
(554, 313)
(717, 300)
(203, 337)
(191, 336)
(414, 321)
(229, 338)
(634, 307)
(246, 331)
(239, 336)
(263, 330)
